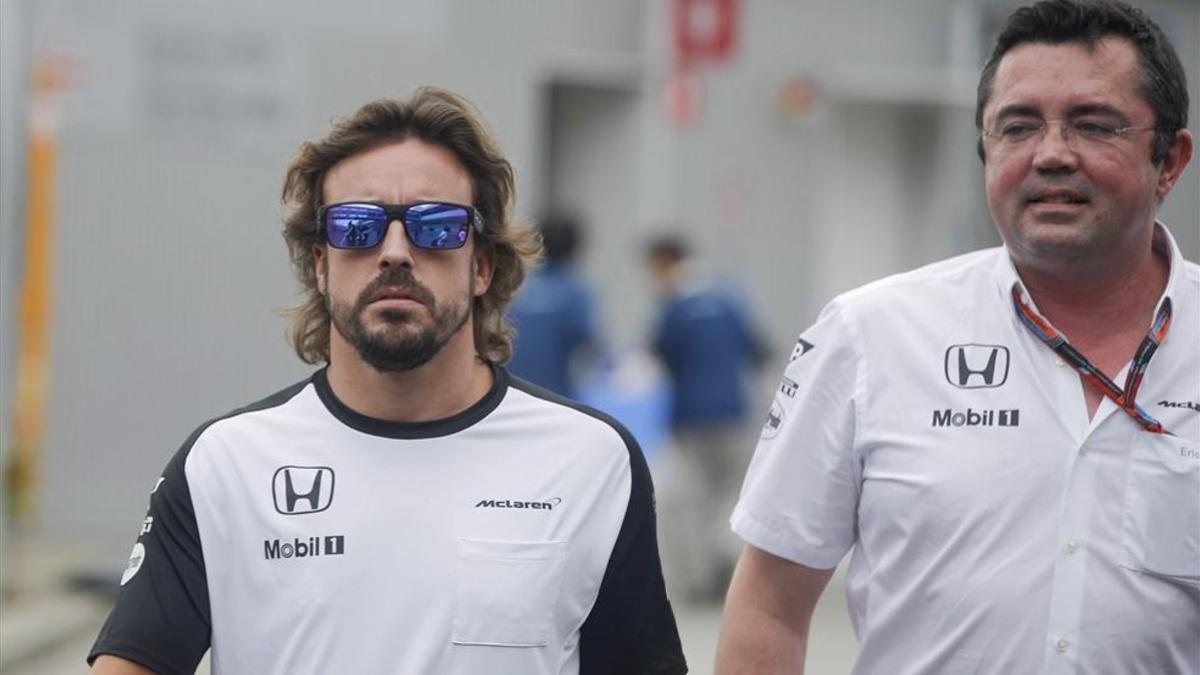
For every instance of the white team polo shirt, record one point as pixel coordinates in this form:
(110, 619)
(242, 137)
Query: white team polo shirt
(297, 536)
(995, 527)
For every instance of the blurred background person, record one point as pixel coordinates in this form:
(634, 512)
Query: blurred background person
(555, 313)
(708, 343)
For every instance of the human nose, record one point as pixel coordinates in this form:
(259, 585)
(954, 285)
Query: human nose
(1054, 150)
(395, 249)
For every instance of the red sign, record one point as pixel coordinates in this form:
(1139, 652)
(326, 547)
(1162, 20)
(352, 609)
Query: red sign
(704, 30)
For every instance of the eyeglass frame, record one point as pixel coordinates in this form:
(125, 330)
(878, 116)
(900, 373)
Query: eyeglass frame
(393, 213)
(1070, 128)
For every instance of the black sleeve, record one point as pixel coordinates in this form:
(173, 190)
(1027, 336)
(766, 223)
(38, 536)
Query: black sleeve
(631, 629)
(161, 618)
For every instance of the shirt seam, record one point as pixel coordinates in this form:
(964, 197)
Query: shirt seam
(859, 393)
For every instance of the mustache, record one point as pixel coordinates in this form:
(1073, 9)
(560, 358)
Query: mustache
(1038, 186)
(395, 278)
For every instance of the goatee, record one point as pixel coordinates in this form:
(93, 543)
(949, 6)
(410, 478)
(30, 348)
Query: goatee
(402, 343)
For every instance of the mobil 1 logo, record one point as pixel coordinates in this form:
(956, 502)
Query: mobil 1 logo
(948, 417)
(306, 547)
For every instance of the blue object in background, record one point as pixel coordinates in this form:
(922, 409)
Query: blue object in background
(554, 316)
(633, 390)
(708, 344)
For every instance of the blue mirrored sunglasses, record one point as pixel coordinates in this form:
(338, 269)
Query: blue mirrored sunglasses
(429, 225)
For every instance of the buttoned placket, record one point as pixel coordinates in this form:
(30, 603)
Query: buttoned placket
(1097, 451)
(1070, 563)
(1064, 398)
(1085, 439)
(1070, 573)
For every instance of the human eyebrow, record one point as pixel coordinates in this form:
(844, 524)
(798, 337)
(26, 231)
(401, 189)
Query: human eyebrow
(1098, 109)
(1017, 110)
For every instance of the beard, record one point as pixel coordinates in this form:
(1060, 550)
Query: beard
(403, 341)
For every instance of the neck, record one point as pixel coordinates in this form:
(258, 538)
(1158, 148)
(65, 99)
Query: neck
(672, 279)
(452, 381)
(1101, 302)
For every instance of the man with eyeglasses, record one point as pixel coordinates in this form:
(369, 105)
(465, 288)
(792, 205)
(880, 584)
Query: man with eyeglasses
(1007, 439)
(410, 507)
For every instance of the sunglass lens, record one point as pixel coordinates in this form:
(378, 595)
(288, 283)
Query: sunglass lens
(438, 226)
(355, 225)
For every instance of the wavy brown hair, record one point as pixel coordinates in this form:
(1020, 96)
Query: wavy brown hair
(435, 116)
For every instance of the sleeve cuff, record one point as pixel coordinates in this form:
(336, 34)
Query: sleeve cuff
(759, 533)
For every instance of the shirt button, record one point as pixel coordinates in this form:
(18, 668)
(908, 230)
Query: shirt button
(1072, 546)
(1059, 362)
(1062, 646)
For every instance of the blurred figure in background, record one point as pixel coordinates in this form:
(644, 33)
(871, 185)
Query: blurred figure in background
(1007, 440)
(554, 314)
(708, 344)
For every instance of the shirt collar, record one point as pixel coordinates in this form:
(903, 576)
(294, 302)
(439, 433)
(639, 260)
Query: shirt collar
(1163, 244)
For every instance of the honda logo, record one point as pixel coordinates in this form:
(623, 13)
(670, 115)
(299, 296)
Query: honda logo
(976, 366)
(302, 489)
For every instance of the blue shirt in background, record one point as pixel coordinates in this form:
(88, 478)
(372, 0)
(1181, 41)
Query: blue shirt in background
(706, 341)
(554, 314)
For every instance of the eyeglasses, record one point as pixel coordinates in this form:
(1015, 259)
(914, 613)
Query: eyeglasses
(429, 225)
(1016, 134)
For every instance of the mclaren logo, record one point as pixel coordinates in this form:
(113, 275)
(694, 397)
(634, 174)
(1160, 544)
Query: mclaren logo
(975, 366)
(1187, 405)
(547, 505)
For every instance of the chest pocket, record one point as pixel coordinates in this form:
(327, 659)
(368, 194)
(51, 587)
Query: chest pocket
(506, 592)
(1162, 508)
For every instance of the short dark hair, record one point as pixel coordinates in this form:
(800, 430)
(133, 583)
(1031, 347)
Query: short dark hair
(1164, 84)
(436, 116)
(667, 247)
(561, 237)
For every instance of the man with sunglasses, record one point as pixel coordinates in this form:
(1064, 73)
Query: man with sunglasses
(410, 508)
(1008, 440)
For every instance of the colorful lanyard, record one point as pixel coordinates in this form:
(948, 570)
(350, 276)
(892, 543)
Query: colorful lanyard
(1125, 399)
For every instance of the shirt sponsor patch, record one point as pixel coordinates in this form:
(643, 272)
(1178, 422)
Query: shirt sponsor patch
(540, 505)
(136, 557)
(299, 490)
(309, 547)
(1187, 405)
(976, 366)
(774, 420)
(802, 347)
(976, 418)
(788, 387)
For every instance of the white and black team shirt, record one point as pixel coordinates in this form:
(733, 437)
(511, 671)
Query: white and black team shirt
(298, 536)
